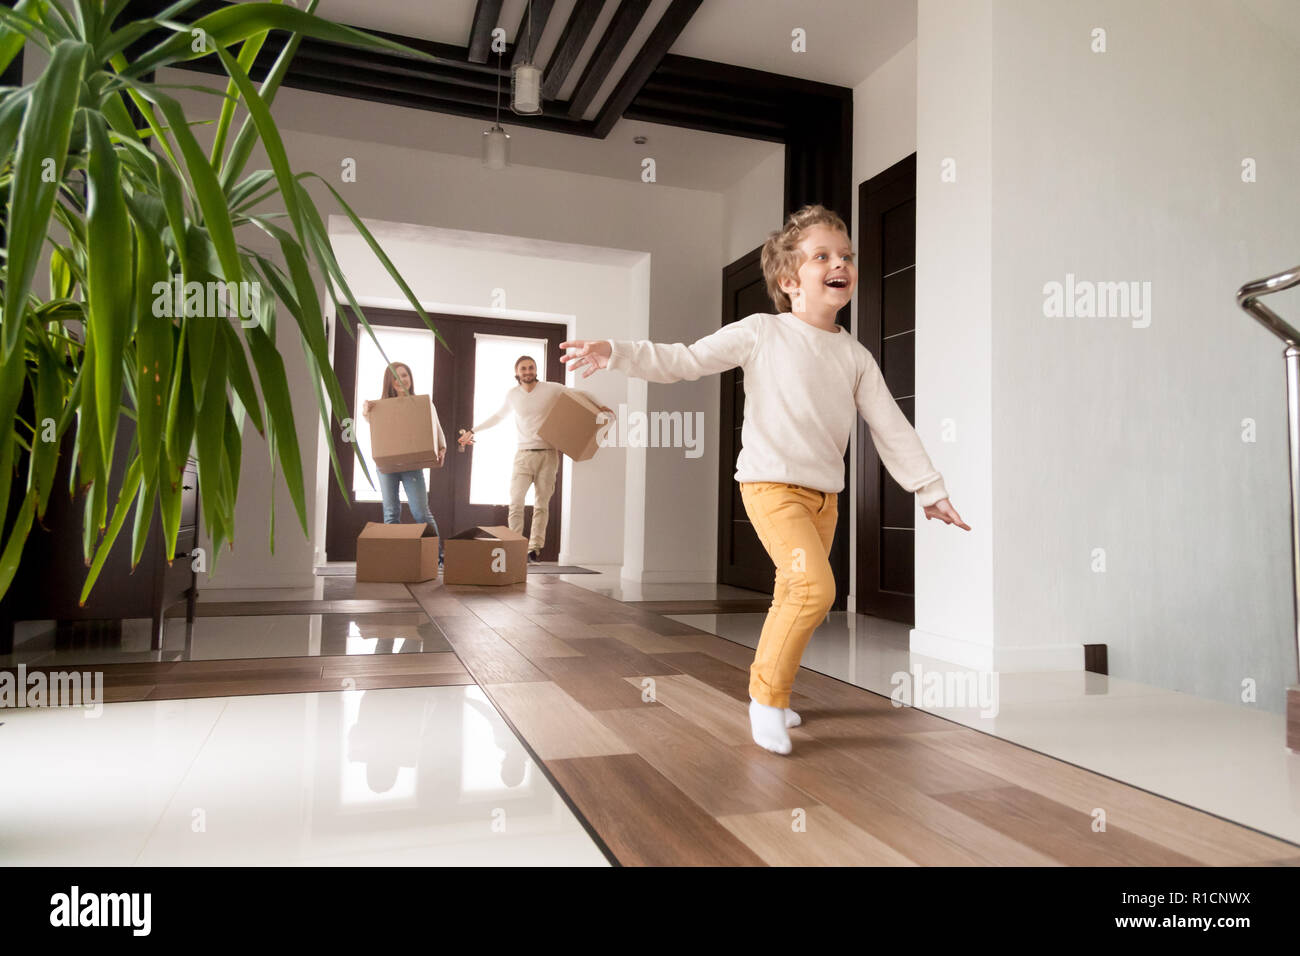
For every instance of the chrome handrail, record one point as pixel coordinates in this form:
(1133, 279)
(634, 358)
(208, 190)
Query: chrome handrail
(1248, 298)
(1248, 295)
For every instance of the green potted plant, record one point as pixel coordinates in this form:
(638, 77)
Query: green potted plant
(128, 215)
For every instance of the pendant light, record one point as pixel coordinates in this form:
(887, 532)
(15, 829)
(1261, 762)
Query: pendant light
(496, 141)
(526, 79)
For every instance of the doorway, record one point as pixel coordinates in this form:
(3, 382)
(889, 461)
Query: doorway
(887, 327)
(467, 383)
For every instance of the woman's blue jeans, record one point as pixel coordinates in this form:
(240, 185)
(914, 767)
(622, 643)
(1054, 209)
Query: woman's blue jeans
(417, 497)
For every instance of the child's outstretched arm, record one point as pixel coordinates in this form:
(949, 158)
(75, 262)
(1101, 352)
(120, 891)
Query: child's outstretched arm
(726, 348)
(900, 446)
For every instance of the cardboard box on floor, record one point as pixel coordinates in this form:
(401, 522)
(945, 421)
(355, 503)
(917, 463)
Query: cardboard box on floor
(571, 425)
(405, 434)
(485, 555)
(401, 553)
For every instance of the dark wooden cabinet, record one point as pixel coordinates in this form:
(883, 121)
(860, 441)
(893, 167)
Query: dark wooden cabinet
(52, 571)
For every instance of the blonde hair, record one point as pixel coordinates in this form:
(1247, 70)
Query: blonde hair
(781, 256)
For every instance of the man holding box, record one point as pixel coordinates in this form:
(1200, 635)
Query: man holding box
(536, 460)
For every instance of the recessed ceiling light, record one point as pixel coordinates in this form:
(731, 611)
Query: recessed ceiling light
(640, 140)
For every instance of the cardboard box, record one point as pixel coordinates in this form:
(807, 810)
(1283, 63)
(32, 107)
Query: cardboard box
(485, 555)
(405, 434)
(401, 553)
(571, 425)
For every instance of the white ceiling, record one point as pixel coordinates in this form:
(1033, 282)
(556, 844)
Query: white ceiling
(847, 40)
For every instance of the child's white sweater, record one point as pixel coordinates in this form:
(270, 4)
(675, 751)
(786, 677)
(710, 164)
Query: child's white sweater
(804, 388)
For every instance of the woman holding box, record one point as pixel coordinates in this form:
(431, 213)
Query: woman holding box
(417, 495)
(806, 381)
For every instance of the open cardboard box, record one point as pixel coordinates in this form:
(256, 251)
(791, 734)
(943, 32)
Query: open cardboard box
(405, 434)
(400, 553)
(485, 555)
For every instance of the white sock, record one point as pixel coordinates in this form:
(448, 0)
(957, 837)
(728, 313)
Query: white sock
(792, 719)
(767, 724)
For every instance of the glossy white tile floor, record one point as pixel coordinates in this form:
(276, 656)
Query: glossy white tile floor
(236, 637)
(1229, 761)
(411, 776)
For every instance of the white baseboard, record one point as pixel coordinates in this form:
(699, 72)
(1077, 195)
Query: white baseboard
(985, 657)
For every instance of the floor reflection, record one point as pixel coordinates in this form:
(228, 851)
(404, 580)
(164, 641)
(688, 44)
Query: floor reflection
(230, 638)
(406, 776)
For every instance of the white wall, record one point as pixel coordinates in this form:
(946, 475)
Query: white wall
(1135, 434)
(1118, 166)
(954, 568)
(754, 206)
(457, 274)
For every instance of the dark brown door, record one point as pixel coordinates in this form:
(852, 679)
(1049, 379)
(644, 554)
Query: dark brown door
(453, 397)
(742, 562)
(887, 326)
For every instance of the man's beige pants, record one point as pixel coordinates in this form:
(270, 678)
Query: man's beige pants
(533, 466)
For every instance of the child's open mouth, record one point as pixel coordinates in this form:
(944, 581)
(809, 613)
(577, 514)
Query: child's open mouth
(837, 283)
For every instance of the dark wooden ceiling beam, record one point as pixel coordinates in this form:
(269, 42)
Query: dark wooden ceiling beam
(486, 14)
(655, 48)
(572, 40)
(734, 126)
(320, 78)
(716, 113)
(344, 64)
(695, 71)
(526, 47)
(608, 50)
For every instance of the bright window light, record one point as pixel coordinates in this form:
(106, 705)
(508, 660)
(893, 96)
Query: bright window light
(494, 449)
(411, 346)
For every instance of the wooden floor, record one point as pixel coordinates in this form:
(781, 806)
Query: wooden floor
(643, 722)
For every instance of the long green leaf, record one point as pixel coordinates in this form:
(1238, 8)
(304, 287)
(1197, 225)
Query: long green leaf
(242, 148)
(109, 290)
(241, 379)
(11, 384)
(12, 39)
(42, 147)
(153, 347)
(13, 549)
(117, 42)
(279, 412)
(11, 117)
(383, 258)
(129, 485)
(247, 57)
(46, 436)
(208, 429)
(144, 510)
(19, 27)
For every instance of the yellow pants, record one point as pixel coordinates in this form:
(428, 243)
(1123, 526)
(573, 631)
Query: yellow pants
(536, 467)
(796, 526)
